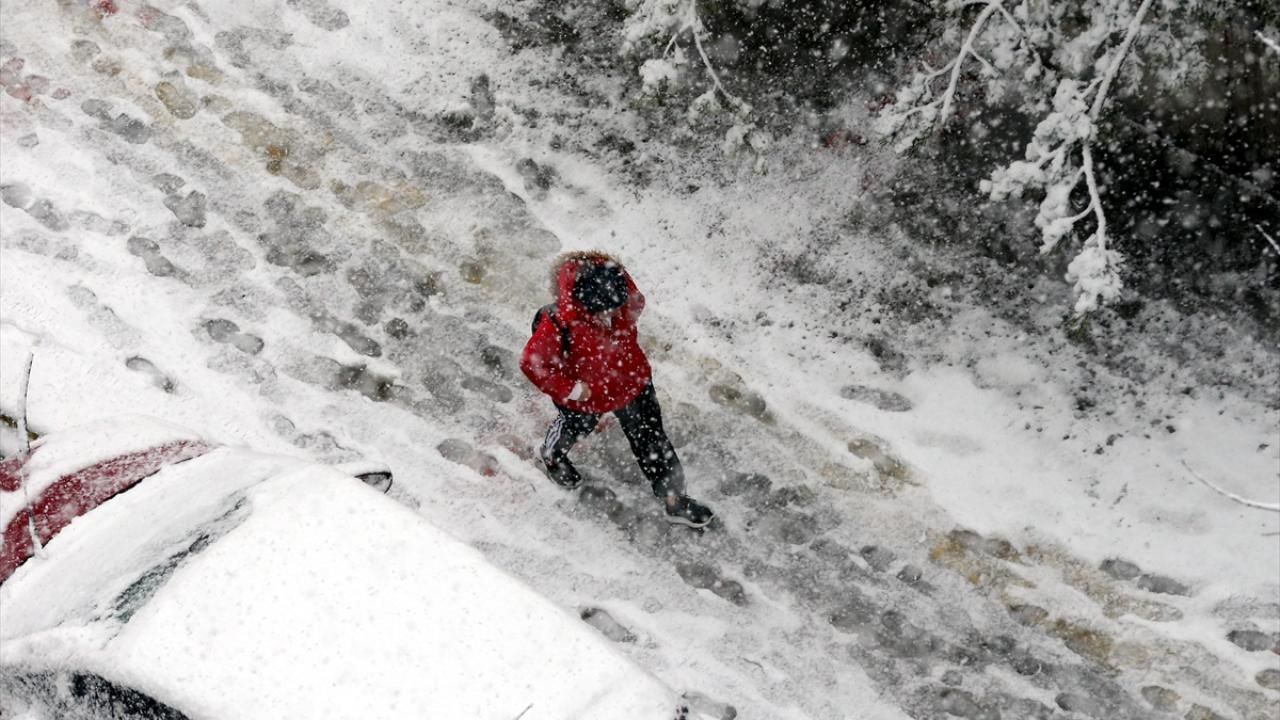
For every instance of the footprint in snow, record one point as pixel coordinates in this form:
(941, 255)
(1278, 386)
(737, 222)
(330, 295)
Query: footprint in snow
(886, 400)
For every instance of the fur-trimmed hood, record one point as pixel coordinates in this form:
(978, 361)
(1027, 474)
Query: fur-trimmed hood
(576, 256)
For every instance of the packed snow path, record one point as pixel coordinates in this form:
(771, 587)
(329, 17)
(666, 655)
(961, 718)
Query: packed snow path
(313, 254)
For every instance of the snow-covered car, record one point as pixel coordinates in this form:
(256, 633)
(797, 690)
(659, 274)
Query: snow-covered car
(175, 578)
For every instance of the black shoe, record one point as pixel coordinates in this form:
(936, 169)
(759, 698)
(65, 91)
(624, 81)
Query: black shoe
(689, 512)
(562, 474)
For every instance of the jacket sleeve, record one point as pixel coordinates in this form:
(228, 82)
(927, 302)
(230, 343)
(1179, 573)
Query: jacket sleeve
(542, 363)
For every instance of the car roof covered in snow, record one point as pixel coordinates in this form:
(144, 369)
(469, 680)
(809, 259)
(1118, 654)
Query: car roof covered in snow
(243, 585)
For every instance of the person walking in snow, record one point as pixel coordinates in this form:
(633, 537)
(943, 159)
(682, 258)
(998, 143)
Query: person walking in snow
(584, 354)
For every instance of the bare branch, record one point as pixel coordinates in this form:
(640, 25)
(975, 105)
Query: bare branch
(966, 48)
(1082, 214)
(25, 445)
(1268, 42)
(990, 68)
(671, 44)
(692, 24)
(1273, 507)
(24, 439)
(935, 74)
(695, 26)
(1275, 247)
(1012, 20)
(1135, 25)
(1095, 198)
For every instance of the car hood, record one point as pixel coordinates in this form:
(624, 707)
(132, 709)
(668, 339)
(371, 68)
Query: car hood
(237, 585)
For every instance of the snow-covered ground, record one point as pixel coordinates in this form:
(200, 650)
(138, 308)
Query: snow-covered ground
(310, 229)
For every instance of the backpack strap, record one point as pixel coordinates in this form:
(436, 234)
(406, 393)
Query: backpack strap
(551, 312)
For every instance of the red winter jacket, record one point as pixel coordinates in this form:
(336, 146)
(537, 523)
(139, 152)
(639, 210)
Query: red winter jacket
(604, 356)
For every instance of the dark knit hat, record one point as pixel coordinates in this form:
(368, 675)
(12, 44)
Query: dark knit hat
(600, 287)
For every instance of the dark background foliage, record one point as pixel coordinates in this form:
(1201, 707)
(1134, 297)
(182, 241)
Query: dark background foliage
(1188, 172)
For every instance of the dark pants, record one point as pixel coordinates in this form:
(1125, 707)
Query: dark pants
(642, 423)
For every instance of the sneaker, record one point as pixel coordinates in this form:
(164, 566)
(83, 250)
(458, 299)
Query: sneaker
(689, 512)
(562, 474)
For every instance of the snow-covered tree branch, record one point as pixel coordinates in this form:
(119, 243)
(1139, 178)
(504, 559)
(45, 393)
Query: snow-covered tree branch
(1275, 247)
(1069, 95)
(677, 25)
(919, 108)
(1275, 47)
(1273, 507)
(677, 22)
